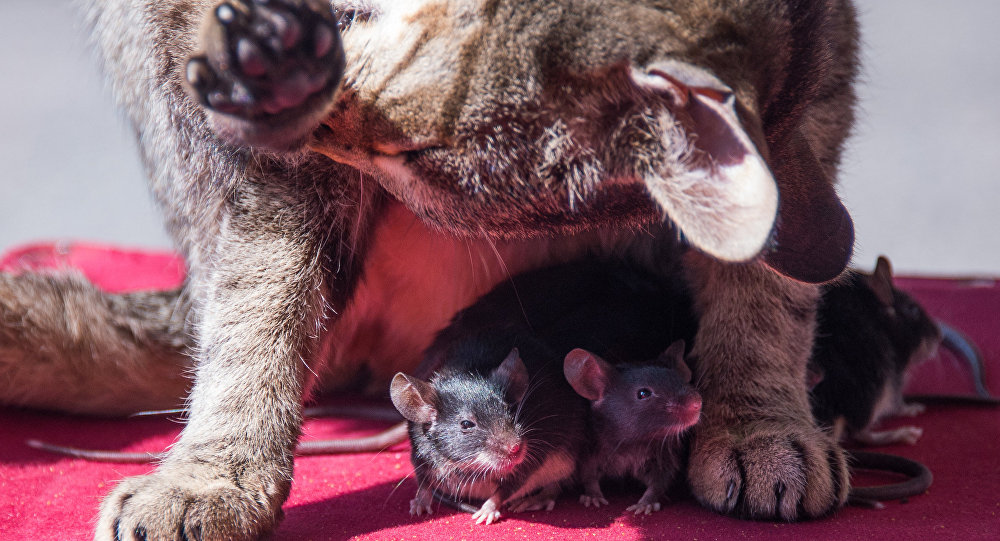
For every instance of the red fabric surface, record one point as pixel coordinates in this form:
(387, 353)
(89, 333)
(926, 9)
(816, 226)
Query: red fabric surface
(43, 496)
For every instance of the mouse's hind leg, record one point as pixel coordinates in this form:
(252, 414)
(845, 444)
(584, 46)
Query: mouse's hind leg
(903, 434)
(543, 499)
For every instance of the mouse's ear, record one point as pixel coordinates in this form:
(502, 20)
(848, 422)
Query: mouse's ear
(414, 398)
(880, 281)
(673, 358)
(814, 375)
(512, 376)
(588, 374)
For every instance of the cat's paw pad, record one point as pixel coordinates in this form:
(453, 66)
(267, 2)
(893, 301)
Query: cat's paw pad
(274, 64)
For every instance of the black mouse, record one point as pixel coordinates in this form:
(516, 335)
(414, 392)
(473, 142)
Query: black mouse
(869, 335)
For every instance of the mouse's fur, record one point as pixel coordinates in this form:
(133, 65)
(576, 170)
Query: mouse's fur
(639, 415)
(864, 350)
(524, 425)
(532, 131)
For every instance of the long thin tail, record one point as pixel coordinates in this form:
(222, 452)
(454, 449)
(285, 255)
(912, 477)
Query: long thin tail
(65, 345)
(370, 444)
(919, 478)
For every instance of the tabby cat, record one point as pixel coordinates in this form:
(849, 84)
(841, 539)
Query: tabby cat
(341, 181)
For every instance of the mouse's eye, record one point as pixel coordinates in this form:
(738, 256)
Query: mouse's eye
(467, 424)
(911, 310)
(643, 393)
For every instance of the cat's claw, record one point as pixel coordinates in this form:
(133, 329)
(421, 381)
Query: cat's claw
(768, 470)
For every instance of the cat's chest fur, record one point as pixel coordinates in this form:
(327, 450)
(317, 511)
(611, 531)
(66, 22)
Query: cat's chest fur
(415, 279)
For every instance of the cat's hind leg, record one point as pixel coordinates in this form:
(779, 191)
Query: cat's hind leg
(66, 345)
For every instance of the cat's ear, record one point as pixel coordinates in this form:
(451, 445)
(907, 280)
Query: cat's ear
(724, 199)
(414, 398)
(721, 193)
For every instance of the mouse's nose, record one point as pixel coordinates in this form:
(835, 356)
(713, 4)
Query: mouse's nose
(514, 449)
(692, 409)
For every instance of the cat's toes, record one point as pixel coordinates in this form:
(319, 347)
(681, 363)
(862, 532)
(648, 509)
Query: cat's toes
(188, 504)
(269, 68)
(768, 470)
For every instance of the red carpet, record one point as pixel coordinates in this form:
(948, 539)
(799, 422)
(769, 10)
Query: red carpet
(366, 496)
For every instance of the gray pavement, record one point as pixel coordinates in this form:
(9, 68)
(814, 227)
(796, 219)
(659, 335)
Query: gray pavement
(920, 176)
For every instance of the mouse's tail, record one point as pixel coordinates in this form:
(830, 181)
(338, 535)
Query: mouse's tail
(918, 478)
(66, 345)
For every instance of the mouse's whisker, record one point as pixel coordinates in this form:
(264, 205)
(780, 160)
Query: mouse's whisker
(532, 387)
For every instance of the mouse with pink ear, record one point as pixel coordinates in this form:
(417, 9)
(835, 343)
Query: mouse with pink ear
(639, 415)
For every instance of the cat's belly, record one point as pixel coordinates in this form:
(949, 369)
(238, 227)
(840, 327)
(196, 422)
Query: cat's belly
(415, 279)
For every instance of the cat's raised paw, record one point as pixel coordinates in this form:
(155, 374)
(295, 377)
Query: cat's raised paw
(270, 66)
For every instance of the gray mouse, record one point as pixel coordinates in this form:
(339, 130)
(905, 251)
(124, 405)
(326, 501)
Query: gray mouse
(639, 416)
(504, 430)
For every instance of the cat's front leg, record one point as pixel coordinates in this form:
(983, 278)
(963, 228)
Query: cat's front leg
(757, 452)
(231, 469)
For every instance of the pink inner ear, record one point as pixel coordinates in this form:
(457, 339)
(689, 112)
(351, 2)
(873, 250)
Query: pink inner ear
(587, 373)
(413, 398)
(678, 91)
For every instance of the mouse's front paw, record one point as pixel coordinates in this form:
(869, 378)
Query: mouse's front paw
(596, 500)
(488, 513)
(911, 409)
(194, 502)
(269, 65)
(421, 503)
(643, 507)
(768, 470)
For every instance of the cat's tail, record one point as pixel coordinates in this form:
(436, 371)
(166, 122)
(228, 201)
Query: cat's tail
(66, 345)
